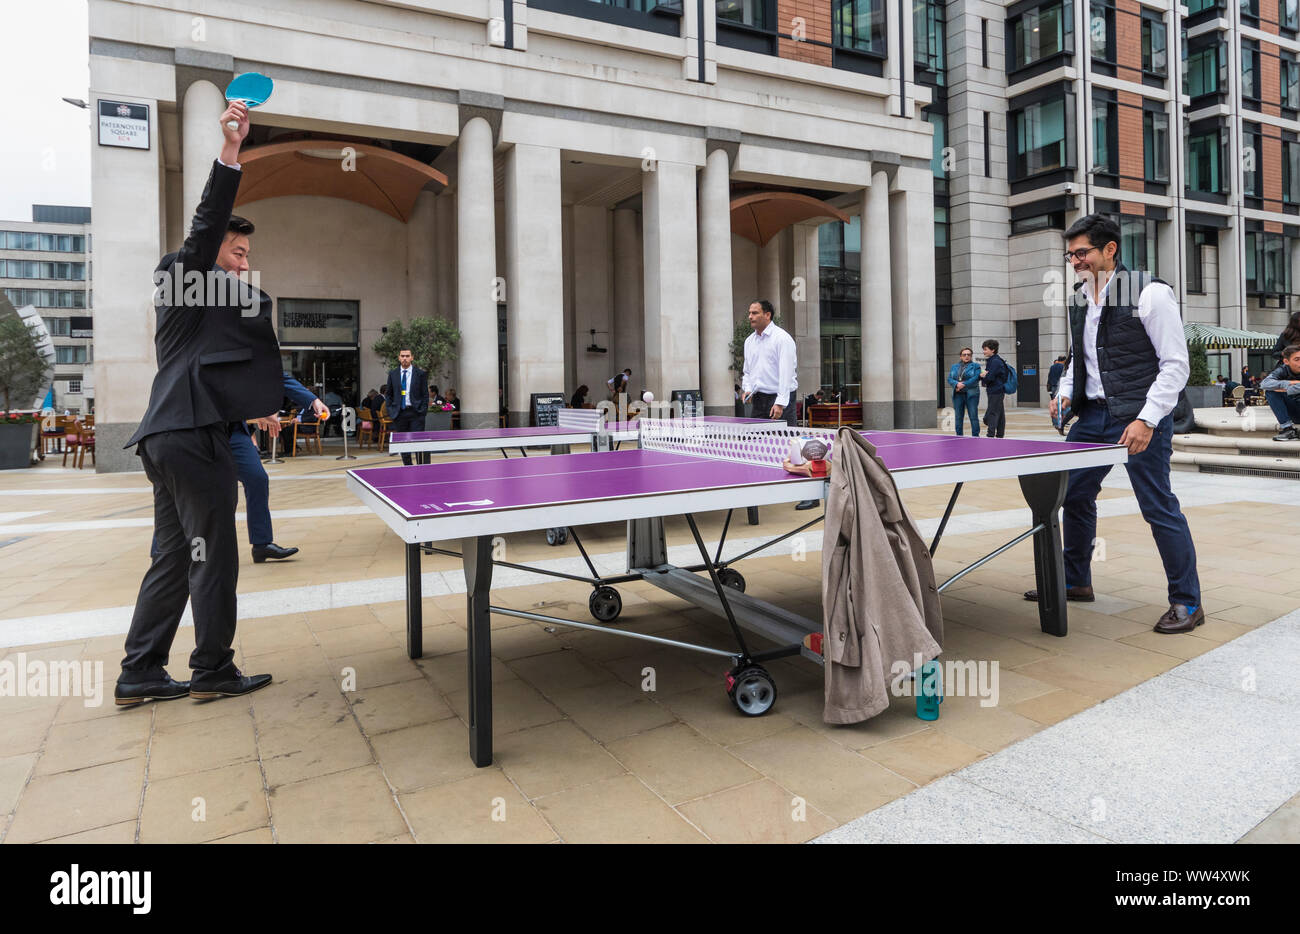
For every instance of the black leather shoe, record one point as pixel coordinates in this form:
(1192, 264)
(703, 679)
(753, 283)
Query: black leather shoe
(262, 552)
(228, 687)
(1177, 620)
(809, 504)
(130, 694)
(1080, 594)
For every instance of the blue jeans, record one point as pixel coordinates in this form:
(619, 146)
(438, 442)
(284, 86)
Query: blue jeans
(257, 489)
(1285, 406)
(967, 403)
(1148, 472)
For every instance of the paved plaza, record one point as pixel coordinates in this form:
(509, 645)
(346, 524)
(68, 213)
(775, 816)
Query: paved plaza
(1113, 733)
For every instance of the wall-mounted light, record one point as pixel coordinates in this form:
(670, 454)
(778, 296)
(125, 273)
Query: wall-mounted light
(594, 347)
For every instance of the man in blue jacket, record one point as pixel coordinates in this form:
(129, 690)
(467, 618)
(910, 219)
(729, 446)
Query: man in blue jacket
(964, 378)
(257, 488)
(995, 379)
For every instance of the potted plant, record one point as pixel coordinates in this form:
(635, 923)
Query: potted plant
(1201, 391)
(23, 372)
(432, 342)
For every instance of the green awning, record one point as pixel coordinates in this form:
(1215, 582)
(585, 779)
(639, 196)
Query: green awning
(1216, 338)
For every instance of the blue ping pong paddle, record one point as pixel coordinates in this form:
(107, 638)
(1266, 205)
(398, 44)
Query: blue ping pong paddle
(251, 88)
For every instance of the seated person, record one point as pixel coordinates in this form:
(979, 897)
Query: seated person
(579, 400)
(453, 400)
(1282, 390)
(812, 459)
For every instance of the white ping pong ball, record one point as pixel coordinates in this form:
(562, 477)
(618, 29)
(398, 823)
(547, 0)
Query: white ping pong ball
(647, 396)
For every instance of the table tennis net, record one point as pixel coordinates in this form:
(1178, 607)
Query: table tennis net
(767, 445)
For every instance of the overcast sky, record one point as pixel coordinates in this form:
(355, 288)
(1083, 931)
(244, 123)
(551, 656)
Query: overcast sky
(45, 156)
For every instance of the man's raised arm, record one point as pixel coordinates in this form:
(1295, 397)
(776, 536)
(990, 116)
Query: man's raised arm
(208, 229)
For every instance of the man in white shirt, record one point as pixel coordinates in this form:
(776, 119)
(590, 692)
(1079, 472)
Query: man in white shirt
(1128, 363)
(770, 381)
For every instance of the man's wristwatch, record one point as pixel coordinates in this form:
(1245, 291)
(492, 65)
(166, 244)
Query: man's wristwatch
(1151, 425)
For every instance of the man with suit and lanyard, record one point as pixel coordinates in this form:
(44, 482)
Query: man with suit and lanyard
(408, 393)
(1128, 363)
(218, 365)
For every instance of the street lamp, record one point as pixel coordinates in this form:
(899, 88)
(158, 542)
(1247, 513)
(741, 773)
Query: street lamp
(76, 102)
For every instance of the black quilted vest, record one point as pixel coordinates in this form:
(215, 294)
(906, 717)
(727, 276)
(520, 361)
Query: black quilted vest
(1125, 355)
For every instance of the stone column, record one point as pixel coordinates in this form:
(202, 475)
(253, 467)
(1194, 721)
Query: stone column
(877, 307)
(126, 208)
(715, 285)
(911, 232)
(806, 300)
(534, 276)
(475, 272)
(201, 140)
(627, 342)
(593, 290)
(672, 304)
(421, 262)
(771, 285)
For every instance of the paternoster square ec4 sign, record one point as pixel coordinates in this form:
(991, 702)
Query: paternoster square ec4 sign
(122, 124)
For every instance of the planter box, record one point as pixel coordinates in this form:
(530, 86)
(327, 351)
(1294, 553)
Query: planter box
(1205, 397)
(17, 442)
(438, 421)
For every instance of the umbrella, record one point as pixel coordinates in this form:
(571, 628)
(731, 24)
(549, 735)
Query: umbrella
(762, 215)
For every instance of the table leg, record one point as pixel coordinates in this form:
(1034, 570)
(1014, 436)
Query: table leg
(414, 603)
(1045, 492)
(476, 553)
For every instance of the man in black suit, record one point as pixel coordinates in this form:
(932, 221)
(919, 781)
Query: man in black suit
(218, 365)
(408, 392)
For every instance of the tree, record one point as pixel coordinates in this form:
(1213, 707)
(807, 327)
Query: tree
(1200, 366)
(432, 341)
(24, 370)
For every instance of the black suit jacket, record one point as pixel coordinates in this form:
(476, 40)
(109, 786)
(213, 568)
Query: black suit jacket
(418, 391)
(218, 357)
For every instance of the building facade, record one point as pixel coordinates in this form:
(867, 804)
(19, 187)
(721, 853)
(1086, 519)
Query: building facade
(45, 263)
(1180, 121)
(551, 176)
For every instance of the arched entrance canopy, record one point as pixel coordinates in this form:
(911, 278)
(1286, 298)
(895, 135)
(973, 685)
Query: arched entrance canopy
(376, 177)
(760, 216)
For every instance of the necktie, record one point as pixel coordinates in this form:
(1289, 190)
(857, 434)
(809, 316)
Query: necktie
(405, 395)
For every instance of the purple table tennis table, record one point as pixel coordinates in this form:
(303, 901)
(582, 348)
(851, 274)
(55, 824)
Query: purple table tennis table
(478, 500)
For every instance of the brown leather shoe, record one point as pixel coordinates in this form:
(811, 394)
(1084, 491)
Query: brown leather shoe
(1081, 594)
(1176, 619)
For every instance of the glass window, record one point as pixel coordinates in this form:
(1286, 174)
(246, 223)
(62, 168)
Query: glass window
(1267, 270)
(1100, 18)
(745, 12)
(1290, 172)
(1155, 146)
(860, 25)
(1252, 178)
(1103, 150)
(1137, 243)
(69, 354)
(1200, 6)
(1040, 33)
(1290, 81)
(1206, 68)
(928, 36)
(1154, 53)
(940, 226)
(940, 123)
(1205, 163)
(1288, 14)
(1041, 138)
(1250, 8)
(1249, 71)
(1195, 262)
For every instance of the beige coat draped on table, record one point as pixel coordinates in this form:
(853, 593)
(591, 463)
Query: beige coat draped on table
(879, 596)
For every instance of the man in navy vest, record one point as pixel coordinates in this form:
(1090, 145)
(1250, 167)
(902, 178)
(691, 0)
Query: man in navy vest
(1127, 365)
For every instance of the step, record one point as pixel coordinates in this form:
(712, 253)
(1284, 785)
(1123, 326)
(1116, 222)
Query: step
(1251, 464)
(1256, 418)
(1257, 441)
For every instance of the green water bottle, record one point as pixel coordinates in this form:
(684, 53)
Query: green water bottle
(929, 692)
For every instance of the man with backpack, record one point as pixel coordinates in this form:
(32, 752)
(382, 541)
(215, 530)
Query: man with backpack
(998, 379)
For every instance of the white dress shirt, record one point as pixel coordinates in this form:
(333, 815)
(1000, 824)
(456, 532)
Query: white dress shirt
(770, 364)
(1163, 323)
